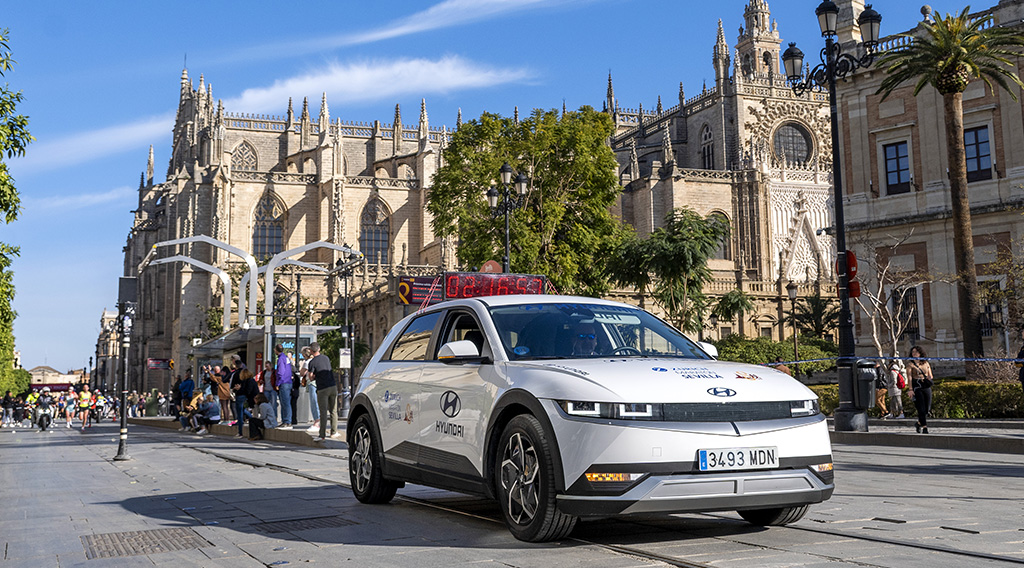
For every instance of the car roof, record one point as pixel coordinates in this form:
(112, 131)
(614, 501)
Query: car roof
(515, 299)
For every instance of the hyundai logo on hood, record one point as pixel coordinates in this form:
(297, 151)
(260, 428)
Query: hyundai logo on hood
(721, 391)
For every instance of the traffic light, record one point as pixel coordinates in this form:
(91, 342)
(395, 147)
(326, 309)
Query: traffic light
(852, 285)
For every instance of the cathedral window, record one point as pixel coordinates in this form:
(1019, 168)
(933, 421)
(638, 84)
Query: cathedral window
(268, 227)
(375, 232)
(244, 157)
(792, 144)
(724, 251)
(707, 148)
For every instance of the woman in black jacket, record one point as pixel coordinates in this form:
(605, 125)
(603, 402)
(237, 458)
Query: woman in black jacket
(246, 389)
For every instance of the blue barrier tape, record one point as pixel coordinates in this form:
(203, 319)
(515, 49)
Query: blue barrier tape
(964, 359)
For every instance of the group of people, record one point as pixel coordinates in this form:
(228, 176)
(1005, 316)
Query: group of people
(259, 400)
(892, 381)
(80, 403)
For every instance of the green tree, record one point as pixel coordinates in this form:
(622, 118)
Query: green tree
(14, 137)
(734, 303)
(680, 253)
(816, 315)
(332, 341)
(947, 55)
(629, 264)
(565, 229)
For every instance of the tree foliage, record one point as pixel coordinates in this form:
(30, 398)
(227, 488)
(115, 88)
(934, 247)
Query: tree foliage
(681, 250)
(762, 351)
(14, 137)
(565, 229)
(816, 315)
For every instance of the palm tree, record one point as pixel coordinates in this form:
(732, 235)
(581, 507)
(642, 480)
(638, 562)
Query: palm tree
(952, 51)
(816, 315)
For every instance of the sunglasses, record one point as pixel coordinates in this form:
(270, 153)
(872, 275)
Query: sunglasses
(586, 336)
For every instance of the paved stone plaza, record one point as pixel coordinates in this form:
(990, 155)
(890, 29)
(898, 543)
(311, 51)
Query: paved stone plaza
(218, 501)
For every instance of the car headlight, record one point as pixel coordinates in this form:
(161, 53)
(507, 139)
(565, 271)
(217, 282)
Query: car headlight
(612, 410)
(804, 407)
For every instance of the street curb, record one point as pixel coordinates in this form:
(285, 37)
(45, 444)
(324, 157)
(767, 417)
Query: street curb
(994, 445)
(299, 437)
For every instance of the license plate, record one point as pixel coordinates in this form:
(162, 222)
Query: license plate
(738, 458)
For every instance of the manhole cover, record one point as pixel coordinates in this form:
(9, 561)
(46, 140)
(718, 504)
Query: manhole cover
(302, 524)
(134, 543)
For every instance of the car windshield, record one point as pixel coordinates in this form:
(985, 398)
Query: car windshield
(573, 331)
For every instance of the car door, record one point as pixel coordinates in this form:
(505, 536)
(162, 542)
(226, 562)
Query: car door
(456, 402)
(396, 391)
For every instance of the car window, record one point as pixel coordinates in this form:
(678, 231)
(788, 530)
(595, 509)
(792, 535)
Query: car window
(463, 326)
(413, 343)
(559, 331)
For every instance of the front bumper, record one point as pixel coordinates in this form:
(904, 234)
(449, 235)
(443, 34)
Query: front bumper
(705, 492)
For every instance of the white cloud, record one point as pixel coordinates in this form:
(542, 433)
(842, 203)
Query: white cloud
(445, 14)
(36, 205)
(376, 80)
(83, 147)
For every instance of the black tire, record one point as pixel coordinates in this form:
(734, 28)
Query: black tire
(364, 464)
(524, 482)
(774, 517)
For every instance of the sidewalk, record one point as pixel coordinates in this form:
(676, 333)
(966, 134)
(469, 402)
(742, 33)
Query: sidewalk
(300, 435)
(995, 436)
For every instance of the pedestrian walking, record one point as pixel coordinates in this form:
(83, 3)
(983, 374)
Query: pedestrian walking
(921, 382)
(320, 371)
(310, 388)
(896, 384)
(8, 408)
(283, 383)
(881, 388)
(1020, 361)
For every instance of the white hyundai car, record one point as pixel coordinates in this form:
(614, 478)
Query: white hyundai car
(565, 407)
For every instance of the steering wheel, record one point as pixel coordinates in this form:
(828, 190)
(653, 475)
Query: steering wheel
(626, 350)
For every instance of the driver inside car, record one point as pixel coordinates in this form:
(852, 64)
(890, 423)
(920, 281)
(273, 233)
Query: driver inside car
(584, 340)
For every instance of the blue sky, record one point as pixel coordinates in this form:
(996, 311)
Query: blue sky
(101, 83)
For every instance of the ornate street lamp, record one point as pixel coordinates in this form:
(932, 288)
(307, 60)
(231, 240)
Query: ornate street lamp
(509, 202)
(792, 289)
(835, 64)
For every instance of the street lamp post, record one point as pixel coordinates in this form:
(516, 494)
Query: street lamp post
(792, 289)
(509, 202)
(835, 64)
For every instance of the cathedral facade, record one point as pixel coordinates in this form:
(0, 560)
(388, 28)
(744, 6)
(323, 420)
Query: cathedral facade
(746, 149)
(750, 151)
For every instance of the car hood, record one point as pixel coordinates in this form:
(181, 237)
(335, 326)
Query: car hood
(654, 380)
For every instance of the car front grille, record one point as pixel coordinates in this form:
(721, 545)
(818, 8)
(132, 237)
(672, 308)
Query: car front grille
(726, 412)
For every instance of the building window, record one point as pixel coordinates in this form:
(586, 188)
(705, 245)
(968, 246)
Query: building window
(724, 251)
(992, 310)
(792, 144)
(268, 227)
(375, 232)
(766, 332)
(707, 148)
(897, 168)
(979, 156)
(906, 309)
(244, 157)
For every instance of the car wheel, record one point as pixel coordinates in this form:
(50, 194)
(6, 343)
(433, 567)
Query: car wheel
(774, 517)
(525, 483)
(364, 464)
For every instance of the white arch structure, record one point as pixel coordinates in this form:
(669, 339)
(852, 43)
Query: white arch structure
(248, 258)
(279, 259)
(262, 269)
(220, 272)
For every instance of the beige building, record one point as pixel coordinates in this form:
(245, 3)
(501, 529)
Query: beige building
(895, 179)
(745, 148)
(44, 376)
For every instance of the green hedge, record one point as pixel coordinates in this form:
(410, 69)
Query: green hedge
(950, 399)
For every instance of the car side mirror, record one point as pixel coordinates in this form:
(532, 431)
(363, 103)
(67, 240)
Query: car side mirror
(708, 348)
(464, 351)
